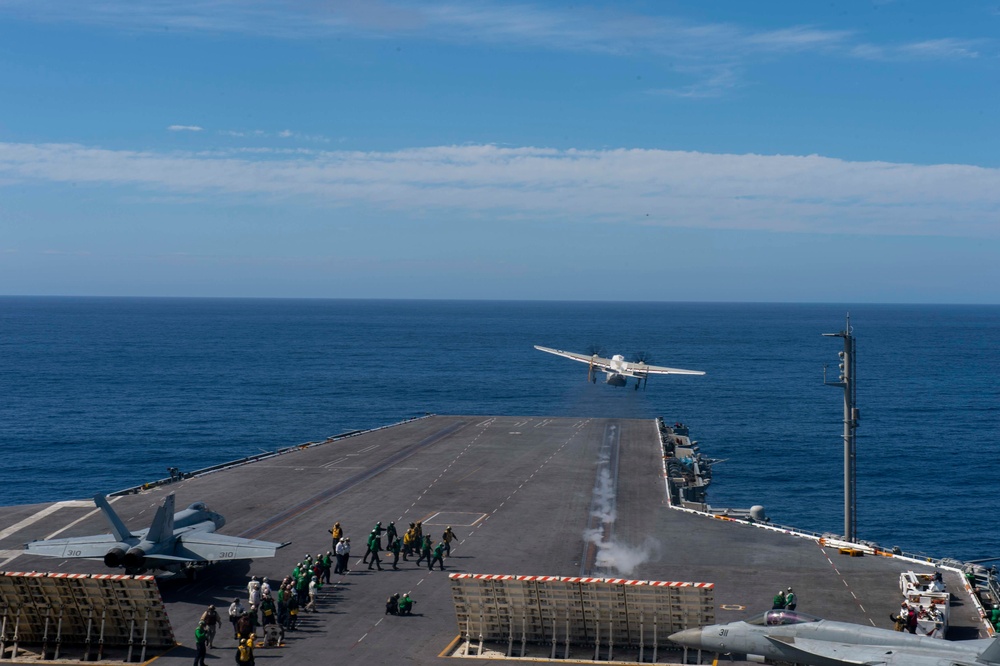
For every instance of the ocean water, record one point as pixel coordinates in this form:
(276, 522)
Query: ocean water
(97, 394)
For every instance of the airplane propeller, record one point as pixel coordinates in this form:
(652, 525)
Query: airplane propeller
(594, 350)
(642, 358)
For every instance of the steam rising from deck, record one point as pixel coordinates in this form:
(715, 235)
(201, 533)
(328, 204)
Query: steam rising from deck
(613, 555)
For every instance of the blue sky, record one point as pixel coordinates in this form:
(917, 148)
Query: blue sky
(723, 151)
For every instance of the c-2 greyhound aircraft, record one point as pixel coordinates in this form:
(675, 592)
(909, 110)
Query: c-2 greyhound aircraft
(791, 636)
(617, 368)
(173, 541)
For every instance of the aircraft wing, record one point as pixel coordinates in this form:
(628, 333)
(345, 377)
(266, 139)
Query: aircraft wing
(643, 369)
(85, 546)
(811, 651)
(212, 547)
(595, 360)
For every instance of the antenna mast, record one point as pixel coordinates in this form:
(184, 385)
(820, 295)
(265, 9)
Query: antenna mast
(851, 417)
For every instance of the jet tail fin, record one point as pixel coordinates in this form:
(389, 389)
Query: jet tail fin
(118, 528)
(162, 527)
(991, 655)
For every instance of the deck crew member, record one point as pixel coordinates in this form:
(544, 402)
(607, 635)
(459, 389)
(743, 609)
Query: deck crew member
(343, 554)
(392, 605)
(327, 565)
(374, 546)
(212, 621)
(438, 557)
(394, 547)
(447, 538)
(200, 641)
(337, 533)
(409, 541)
(235, 611)
(244, 651)
(425, 550)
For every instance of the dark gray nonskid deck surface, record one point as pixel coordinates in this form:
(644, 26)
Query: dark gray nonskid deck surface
(517, 491)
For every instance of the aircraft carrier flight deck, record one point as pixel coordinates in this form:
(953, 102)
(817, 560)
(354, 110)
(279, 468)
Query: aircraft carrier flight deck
(521, 494)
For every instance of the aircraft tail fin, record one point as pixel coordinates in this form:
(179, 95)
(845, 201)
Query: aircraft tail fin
(118, 528)
(162, 527)
(991, 655)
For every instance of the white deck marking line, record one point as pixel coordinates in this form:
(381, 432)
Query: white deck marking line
(9, 555)
(360, 639)
(368, 448)
(32, 519)
(846, 584)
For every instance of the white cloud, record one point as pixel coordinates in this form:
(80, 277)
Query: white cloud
(282, 134)
(184, 128)
(810, 194)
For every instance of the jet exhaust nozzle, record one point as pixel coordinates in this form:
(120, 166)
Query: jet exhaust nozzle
(114, 558)
(135, 558)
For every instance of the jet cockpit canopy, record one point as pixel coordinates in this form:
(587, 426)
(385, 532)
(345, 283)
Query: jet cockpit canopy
(774, 618)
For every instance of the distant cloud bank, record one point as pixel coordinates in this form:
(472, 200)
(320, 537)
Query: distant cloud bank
(487, 183)
(184, 128)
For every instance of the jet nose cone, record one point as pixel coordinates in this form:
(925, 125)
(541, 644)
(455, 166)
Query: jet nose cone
(690, 638)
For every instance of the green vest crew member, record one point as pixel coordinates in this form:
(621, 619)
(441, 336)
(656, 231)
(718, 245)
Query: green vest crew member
(438, 557)
(200, 642)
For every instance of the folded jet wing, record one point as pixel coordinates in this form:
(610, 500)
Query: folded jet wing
(216, 547)
(173, 540)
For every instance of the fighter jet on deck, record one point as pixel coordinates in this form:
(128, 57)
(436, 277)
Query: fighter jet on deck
(790, 636)
(617, 368)
(173, 541)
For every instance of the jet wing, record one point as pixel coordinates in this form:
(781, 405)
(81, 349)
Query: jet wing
(85, 546)
(808, 651)
(212, 547)
(642, 369)
(595, 360)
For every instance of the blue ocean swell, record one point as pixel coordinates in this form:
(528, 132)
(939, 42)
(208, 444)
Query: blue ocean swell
(103, 393)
